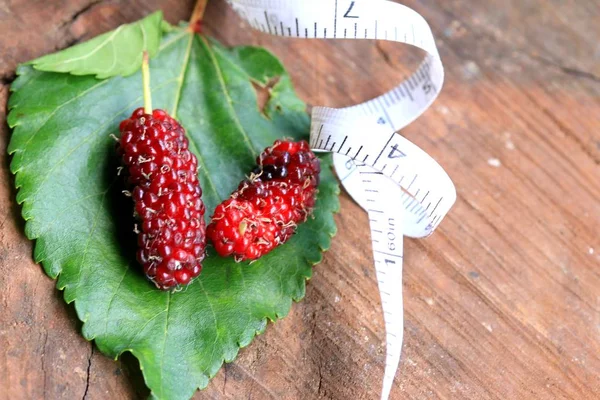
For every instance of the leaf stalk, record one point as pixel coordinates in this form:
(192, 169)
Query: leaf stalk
(197, 15)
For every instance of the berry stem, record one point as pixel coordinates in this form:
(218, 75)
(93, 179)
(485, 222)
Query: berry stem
(146, 84)
(197, 14)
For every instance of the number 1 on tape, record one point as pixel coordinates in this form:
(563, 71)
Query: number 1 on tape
(404, 191)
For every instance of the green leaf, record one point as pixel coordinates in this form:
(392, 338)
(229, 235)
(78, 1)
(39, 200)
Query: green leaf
(118, 52)
(65, 167)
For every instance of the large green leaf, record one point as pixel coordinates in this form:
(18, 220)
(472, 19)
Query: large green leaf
(65, 167)
(114, 53)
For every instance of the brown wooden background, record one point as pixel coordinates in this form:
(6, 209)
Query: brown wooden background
(502, 303)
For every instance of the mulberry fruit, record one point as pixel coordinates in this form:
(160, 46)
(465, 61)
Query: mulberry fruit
(267, 207)
(163, 174)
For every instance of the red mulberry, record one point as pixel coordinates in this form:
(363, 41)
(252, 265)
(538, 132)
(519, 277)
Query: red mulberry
(162, 173)
(265, 209)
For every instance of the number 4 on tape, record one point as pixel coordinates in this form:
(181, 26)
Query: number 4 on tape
(396, 152)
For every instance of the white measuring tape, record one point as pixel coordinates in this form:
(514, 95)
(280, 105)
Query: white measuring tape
(404, 190)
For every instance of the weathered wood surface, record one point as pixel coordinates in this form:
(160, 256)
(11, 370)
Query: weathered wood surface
(502, 303)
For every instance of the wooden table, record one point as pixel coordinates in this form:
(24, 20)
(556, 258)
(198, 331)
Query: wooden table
(502, 302)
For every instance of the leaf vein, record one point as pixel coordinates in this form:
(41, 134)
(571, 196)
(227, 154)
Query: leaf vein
(203, 167)
(214, 318)
(109, 39)
(114, 58)
(56, 217)
(143, 327)
(172, 40)
(162, 358)
(245, 289)
(181, 76)
(229, 99)
(112, 298)
(87, 245)
(97, 85)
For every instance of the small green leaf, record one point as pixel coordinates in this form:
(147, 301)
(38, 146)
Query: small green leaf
(118, 52)
(65, 167)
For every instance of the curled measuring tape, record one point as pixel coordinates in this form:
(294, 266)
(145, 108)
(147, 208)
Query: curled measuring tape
(404, 191)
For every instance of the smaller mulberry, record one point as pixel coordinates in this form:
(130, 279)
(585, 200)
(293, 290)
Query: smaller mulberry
(267, 207)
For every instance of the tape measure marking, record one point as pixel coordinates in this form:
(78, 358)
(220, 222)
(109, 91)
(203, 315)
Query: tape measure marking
(404, 191)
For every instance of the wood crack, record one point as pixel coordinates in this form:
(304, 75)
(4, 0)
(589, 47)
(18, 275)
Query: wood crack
(571, 71)
(319, 361)
(384, 54)
(89, 367)
(320, 377)
(225, 373)
(44, 362)
(80, 12)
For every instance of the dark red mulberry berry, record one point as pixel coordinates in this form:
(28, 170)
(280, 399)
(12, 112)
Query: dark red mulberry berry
(265, 209)
(162, 173)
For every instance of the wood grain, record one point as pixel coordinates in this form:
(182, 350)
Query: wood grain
(502, 303)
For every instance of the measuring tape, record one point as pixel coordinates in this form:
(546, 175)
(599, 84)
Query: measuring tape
(404, 191)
